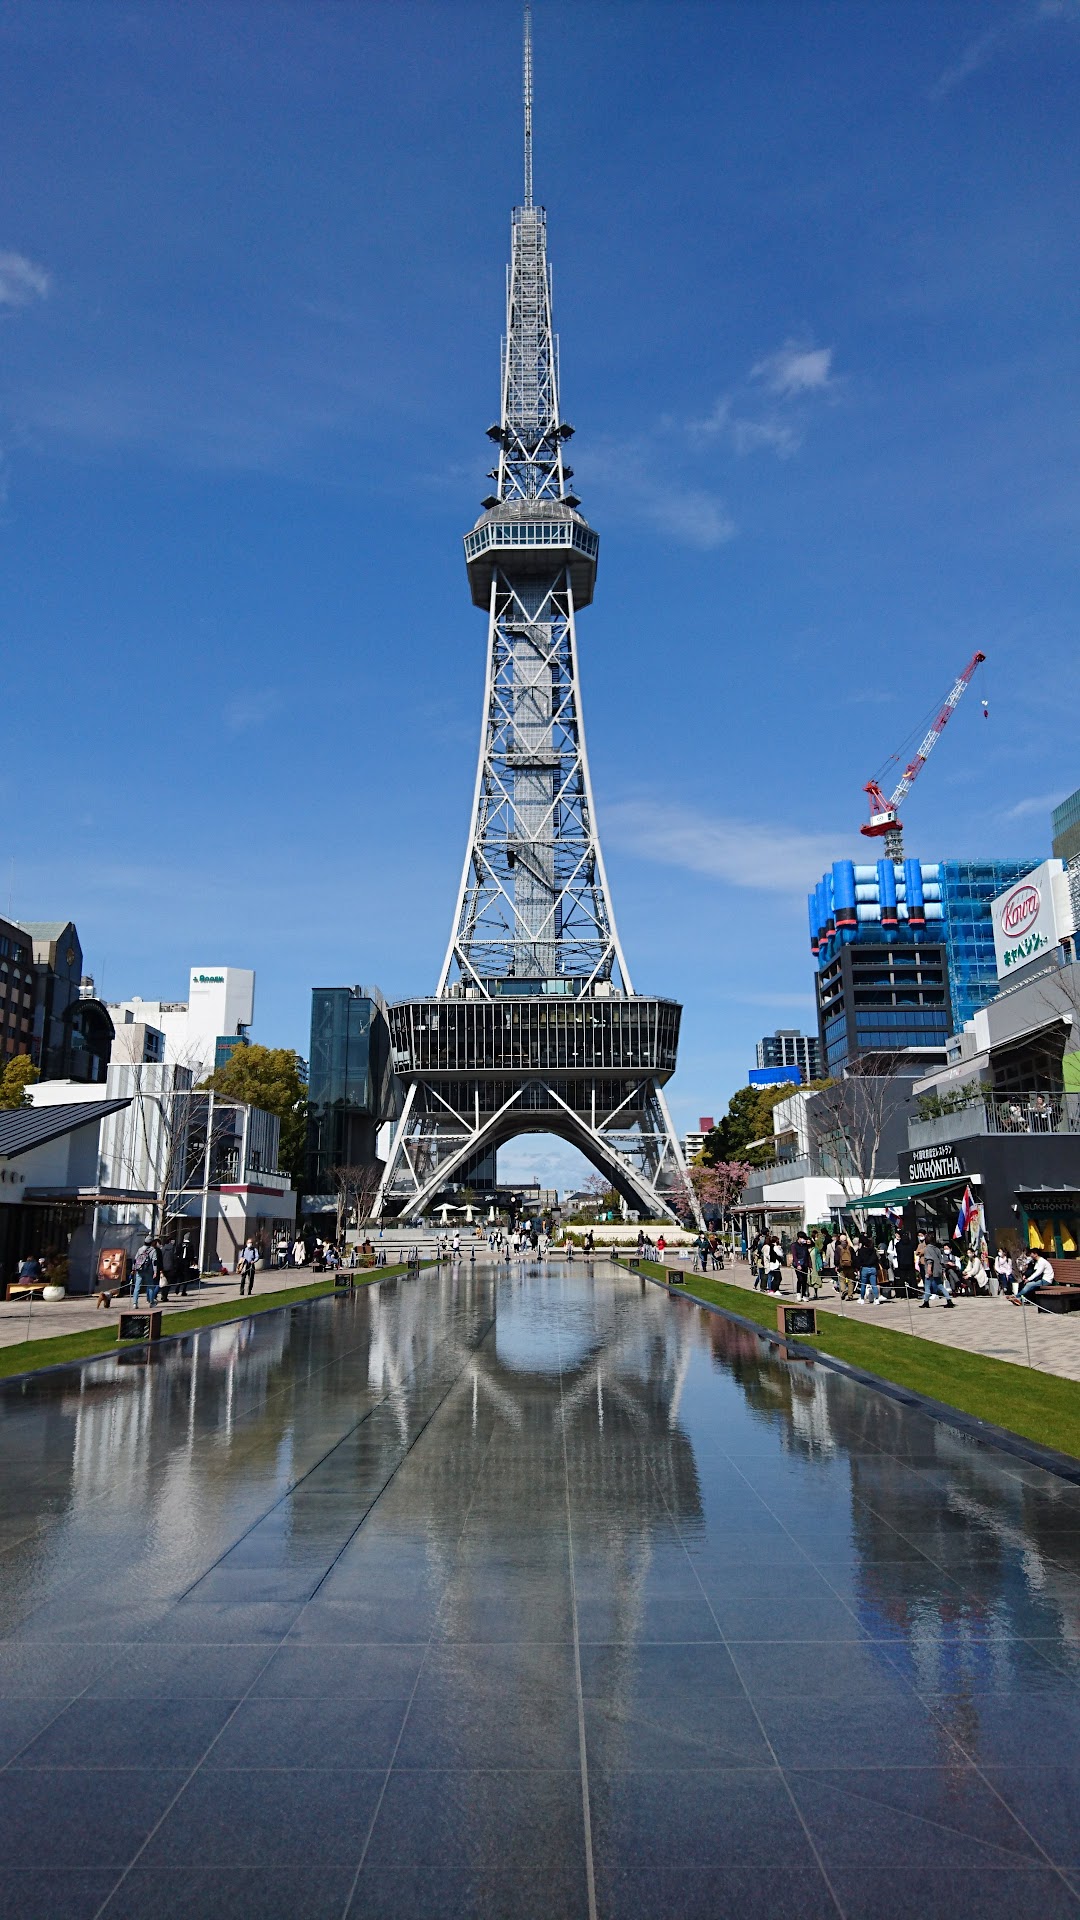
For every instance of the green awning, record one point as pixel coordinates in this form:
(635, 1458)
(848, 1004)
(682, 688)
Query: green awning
(899, 1196)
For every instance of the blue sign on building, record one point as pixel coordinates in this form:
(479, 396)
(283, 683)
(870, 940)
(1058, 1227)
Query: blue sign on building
(775, 1076)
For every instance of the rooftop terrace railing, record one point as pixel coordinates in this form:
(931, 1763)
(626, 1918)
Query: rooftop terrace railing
(1008, 1113)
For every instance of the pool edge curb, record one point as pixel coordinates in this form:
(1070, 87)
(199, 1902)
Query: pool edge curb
(1065, 1465)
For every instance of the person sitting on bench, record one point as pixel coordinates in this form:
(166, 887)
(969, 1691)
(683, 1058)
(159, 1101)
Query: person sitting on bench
(1039, 1274)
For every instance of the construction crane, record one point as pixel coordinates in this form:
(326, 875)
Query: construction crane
(883, 822)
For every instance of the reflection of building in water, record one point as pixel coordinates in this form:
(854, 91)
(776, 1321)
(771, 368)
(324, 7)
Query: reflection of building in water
(953, 1549)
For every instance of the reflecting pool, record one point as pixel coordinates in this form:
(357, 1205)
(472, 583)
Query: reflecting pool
(525, 1592)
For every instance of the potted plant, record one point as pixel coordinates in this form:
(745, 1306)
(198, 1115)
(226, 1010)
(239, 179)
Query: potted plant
(55, 1287)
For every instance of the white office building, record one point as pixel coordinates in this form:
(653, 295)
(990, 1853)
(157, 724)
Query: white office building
(213, 1160)
(220, 1005)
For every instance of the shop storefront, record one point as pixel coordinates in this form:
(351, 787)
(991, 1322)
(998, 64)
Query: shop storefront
(1049, 1221)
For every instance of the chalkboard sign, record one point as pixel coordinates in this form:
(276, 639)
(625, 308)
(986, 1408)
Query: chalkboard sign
(140, 1326)
(795, 1320)
(343, 1282)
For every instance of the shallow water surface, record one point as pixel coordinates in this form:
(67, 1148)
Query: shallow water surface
(526, 1591)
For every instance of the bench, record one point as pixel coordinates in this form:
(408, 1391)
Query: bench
(1062, 1297)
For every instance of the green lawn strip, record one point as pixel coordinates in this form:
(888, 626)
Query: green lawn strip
(92, 1342)
(1040, 1406)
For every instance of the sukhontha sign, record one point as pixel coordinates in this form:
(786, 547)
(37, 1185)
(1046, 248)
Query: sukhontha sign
(1031, 917)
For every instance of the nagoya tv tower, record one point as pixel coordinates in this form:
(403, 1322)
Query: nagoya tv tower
(534, 1026)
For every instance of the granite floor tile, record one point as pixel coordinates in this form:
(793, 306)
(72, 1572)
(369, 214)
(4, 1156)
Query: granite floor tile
(240, 1893)
(676, 1678)
(267, 1818)
(811, 1732)
(354, 1734)
(1044, 1799)
(667, 1820)
(914, 1893)
(176, 1670)
(43, 1893)
(428, 1894)
(140, 1733)
(656, 1736)
(80, 1818)
(948, 1818)
(504, 1821)
(705, 1893)
(373, 1672)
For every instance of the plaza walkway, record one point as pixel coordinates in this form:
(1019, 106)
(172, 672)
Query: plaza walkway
(1047, 1341)
(531, 1593)
(38, 1319)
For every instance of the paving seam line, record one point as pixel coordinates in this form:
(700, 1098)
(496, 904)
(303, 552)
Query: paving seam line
(295, 1486)
(1061, 1464)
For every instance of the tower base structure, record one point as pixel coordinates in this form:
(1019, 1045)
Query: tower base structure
(588, 1067)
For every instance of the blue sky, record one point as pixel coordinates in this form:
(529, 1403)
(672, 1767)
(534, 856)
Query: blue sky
(817, 282)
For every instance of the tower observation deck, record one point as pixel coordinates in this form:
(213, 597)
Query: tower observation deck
(534, 1025)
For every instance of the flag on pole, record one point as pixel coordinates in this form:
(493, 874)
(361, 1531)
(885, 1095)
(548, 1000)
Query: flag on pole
(968, 1210)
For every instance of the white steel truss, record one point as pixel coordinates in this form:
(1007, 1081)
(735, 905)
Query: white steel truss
(533, 921)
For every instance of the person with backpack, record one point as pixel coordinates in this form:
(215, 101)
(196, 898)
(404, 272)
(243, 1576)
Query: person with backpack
(844, 1258)
(144, 1273)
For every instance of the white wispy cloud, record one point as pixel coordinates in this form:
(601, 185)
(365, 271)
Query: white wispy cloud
(633, 474)
(794, 376)
(795, 368)
(22, 281)
(745, 853)
(747, 435)
(993, 40)
(1043, 803)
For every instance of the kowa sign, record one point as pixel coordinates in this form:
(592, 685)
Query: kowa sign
(1031, 917)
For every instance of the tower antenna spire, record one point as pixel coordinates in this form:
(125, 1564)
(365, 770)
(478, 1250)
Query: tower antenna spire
(527, 90)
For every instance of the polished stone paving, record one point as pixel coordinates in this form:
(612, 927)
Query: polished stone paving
(538, 1594)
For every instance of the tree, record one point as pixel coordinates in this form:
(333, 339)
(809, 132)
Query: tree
(19, 1074)
(748, 1119)
(719, 1186)
(355, 1189)
(848, 1120)
(269, 1077)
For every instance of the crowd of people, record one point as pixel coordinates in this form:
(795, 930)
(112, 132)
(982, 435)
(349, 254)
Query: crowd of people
(858, 1267)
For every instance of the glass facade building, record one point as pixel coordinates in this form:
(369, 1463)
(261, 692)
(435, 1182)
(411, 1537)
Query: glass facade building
(904, 952)
(1066, 829)
(352, 1090)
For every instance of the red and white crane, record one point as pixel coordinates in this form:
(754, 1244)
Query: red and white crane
(883, 822)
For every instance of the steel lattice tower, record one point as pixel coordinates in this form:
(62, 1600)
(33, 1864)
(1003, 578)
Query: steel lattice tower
(534, 1025)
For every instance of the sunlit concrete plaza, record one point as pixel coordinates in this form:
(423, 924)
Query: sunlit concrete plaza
(525, 1590)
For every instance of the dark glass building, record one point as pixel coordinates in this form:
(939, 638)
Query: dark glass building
(352, 1090)
(905, 954)
(72, 1031)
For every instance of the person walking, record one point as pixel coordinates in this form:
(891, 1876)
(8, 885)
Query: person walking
(143, 1274)
(185, 1267)
(701, 1254)
(935, 1278)
(906, 1279)
(868, 1269)
(845, 1267)
(801, 1258)
(774, 1264)
(248, 1261)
